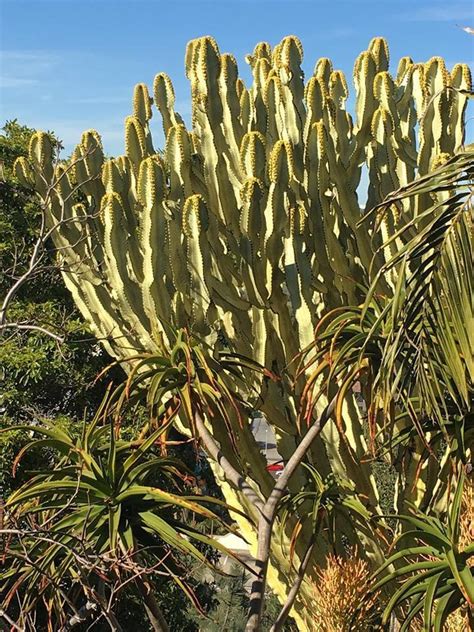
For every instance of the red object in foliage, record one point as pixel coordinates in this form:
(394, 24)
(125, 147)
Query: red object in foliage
(275, 467)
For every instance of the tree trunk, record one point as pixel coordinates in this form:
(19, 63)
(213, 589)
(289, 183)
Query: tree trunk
(152, 608)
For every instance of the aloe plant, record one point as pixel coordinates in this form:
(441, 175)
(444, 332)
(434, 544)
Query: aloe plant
(438, 576)
(79, 533)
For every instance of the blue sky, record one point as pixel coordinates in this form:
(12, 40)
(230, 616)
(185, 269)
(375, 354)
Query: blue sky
(69, 65)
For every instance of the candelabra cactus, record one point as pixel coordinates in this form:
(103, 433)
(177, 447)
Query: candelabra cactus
(245, 228)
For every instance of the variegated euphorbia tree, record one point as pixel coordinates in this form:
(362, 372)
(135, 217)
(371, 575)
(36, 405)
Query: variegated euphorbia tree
(244, 230)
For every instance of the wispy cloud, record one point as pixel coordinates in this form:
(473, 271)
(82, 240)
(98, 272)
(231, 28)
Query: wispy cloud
(100, 100)
(338, 32)
(36, 57)
(16, 82)
(24, 68)
(70, 132)
(456, 12)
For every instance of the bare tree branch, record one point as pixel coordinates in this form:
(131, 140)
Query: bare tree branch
(127, 568)
(290, 600)
(10, 621)
(27, 327)
(36, 263)
(268, 515)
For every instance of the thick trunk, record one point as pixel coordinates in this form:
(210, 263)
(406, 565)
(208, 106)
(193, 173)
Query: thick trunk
(268, 516)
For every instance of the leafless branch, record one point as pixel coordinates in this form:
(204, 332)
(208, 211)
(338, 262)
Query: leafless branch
(10, 621)
(38, 328)
(268, 515)
(290, 600)
(36, 261)
(126, 568)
